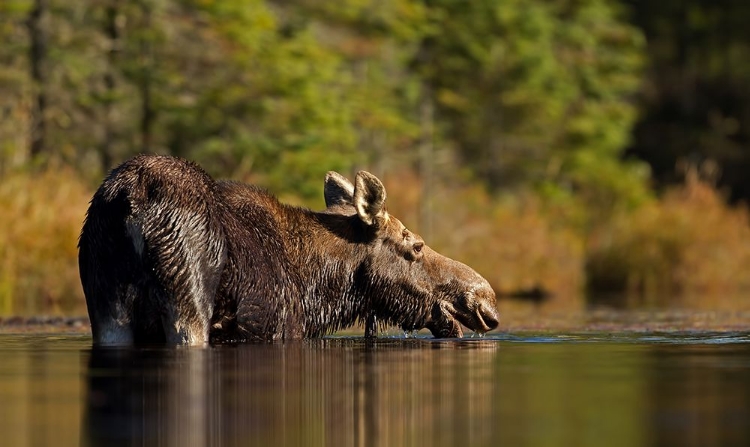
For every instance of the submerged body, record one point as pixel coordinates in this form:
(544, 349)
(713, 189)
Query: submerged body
(168, 254)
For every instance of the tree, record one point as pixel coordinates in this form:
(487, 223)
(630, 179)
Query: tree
(15, 85)
(539, 93)
(37, 64)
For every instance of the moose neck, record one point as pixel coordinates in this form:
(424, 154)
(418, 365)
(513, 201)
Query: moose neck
(330, 258)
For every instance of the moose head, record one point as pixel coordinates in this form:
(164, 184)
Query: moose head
(409, 284)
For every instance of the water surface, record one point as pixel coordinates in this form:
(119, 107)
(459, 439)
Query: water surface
(593, 389)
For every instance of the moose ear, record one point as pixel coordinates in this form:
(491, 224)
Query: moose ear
(338, 190)
(369, 198)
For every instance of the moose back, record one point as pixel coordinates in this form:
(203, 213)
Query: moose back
(169, 255)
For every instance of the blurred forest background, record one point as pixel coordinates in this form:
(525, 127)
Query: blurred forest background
(574, 151)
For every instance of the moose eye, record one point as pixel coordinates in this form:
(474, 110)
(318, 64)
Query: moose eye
(418, 247)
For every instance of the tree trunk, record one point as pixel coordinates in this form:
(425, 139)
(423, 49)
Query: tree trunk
(37, 62)
(147, 108)
(426, 161)
(113, 34)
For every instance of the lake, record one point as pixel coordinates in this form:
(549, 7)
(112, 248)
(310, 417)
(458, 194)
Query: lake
(516, 389)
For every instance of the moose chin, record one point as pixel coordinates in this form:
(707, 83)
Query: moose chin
(167, 254)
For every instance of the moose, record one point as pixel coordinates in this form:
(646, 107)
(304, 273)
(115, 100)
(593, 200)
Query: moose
(169, 255)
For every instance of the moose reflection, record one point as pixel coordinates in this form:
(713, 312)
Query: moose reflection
(305, 393)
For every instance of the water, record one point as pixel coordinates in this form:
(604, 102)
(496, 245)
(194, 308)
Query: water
(682, 389)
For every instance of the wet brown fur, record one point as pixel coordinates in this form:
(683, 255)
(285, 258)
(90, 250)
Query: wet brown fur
(167, 254)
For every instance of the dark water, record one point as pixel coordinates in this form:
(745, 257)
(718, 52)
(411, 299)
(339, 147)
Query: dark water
(688, 389)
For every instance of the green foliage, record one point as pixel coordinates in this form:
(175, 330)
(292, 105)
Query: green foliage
(273, 99)
(530, 103)
(15, 85)
(539, 94)
(528, 93)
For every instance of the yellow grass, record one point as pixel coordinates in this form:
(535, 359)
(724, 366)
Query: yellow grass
(688, 243)
(510, 242)
(42, 216)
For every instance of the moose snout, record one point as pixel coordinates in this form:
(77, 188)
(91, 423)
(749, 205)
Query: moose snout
(486, 310)
(489, 316)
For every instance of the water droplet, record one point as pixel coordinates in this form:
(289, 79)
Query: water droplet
(414, 333)
(406, 334)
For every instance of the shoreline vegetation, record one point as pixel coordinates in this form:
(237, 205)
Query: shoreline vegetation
(688, 243)
(575, 153)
